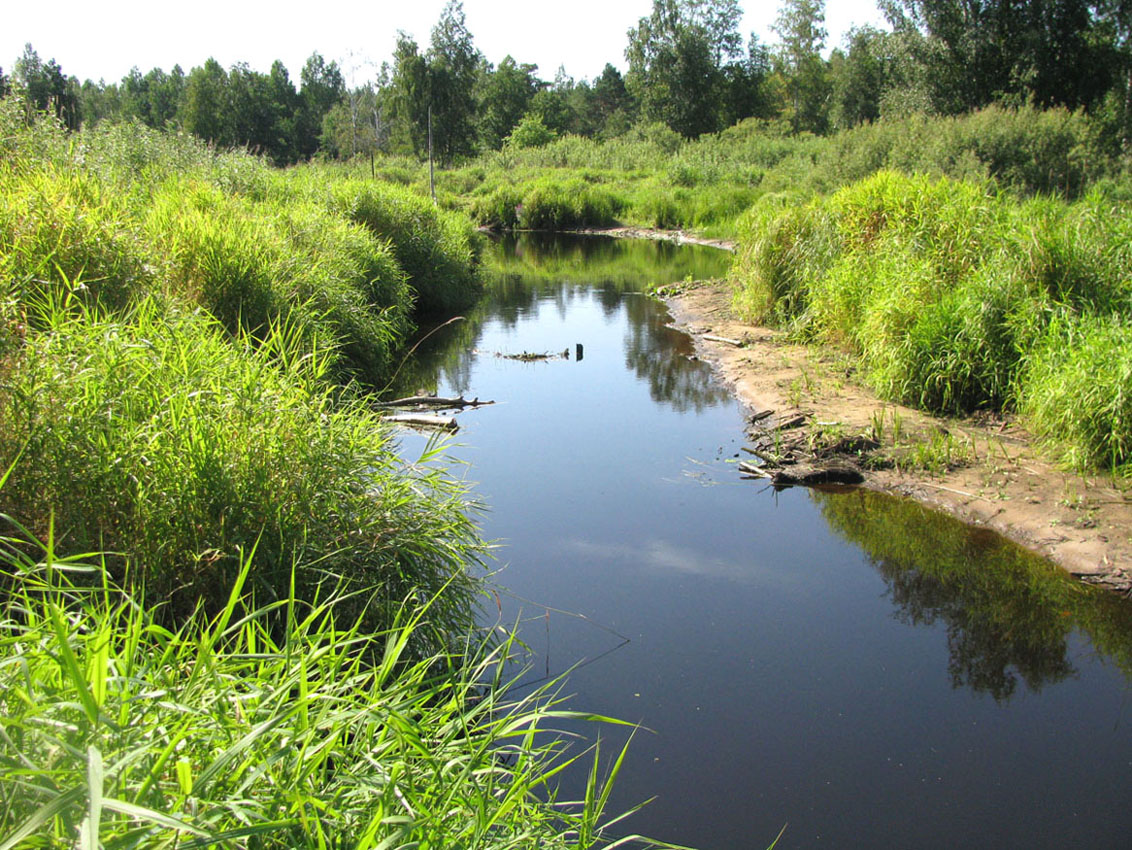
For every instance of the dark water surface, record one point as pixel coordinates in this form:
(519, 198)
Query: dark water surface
(868, 672)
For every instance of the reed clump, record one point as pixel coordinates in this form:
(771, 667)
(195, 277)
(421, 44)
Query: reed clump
(271, 723)
(958, 297)
(157, 437)
(183, 338)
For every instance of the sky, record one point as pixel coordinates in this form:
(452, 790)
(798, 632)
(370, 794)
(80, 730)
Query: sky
(103, 40)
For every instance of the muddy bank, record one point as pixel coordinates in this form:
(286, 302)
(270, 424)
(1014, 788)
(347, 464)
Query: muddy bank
(987, 472)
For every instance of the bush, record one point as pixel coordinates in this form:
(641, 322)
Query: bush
(231, 731)
(436, 249)
(157, 437)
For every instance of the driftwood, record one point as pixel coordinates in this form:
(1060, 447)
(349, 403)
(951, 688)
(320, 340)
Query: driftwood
(792, 460)
(754, 470)
(795, 422)
(738, 343)
(760, 416)
(435, 402)
(443, 423)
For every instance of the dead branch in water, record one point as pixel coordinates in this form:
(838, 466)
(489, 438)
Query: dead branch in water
(434, 402)
(443, 423)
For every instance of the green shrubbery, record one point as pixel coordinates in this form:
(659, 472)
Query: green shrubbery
(278, 722)
(958, 297)
(178, 327)
(653, 177)
(155, 436)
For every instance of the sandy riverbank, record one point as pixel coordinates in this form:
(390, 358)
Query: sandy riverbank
(998, 478)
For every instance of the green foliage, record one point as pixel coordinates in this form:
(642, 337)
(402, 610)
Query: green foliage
(946, 291)
(57, 228)
(272, 724)
(530, 132)
(1077, 391)
(156, 436)
(437, 249)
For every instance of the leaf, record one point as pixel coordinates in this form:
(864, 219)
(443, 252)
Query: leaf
(42, 816)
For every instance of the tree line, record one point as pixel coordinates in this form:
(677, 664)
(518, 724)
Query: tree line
(688, 68)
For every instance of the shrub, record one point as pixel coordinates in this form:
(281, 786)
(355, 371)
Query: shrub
(436, 249)
(157, 437)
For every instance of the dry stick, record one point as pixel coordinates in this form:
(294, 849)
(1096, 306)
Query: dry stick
(433, 401)
(735, 342)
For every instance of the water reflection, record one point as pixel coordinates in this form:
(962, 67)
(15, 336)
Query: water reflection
(531, 272)
(1008, 614)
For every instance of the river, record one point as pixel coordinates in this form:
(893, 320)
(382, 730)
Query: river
(865, 671)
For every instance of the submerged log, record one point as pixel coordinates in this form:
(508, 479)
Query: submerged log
(437, 402)
(443, 423)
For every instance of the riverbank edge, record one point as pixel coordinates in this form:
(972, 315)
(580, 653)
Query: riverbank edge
(1082, 524)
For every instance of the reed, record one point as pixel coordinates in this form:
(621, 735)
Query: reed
(287, 723)
(155, 436)
(958, 297)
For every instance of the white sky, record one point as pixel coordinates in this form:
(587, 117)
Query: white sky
(103, 40)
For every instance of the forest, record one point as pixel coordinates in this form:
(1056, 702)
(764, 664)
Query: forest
(689, 68)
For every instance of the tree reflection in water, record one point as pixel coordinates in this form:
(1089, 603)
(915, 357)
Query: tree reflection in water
(529, 272)
(1008, 614)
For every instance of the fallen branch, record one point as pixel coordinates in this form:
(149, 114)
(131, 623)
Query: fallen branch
(438, 402)
(443, 423)
(738, 343)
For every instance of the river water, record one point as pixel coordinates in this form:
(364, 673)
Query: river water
(860, 669)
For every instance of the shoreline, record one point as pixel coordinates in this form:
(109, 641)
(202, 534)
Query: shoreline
(998, 478)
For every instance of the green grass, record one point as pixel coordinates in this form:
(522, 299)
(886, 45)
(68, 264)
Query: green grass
(956, 297)
(155, 436)
(286, 723)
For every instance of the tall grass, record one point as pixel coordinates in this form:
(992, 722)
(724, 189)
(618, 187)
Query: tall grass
(652, 177)
(436, 248)
(275, 724)
(155, 436)
(958, 297)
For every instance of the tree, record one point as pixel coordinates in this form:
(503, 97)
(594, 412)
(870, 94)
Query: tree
(322, 87)
(1051, 52)
(409, 95)
(860, 77)
(800, 27)
(745, 91)
(675, 58)
(613, 105)
(45, 87)
(505, 96)
(453, 66)
(204, 109)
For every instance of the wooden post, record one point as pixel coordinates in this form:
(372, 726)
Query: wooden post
(431, 183)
